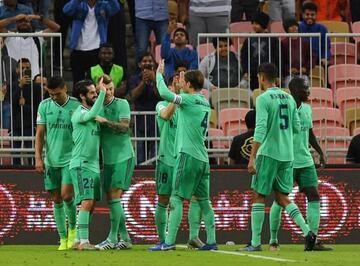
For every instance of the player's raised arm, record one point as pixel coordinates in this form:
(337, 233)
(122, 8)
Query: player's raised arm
(164, 91)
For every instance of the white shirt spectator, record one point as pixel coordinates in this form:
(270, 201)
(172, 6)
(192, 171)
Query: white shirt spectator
(89, 38)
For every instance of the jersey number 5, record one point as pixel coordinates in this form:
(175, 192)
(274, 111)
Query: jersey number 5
(283, 116)
(204, 123)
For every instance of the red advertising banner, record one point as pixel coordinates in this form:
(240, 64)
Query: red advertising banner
(26, 209)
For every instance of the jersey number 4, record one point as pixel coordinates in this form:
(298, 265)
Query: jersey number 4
(284, 124)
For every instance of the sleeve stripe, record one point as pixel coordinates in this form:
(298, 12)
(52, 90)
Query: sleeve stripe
(177, 99)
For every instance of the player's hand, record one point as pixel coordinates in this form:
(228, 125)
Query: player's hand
(100, 119)
(161, 66)
(39, 166)
(101, 85)
(251, 167)
(180, 85)
(322, 162)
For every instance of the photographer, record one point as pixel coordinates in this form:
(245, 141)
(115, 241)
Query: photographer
(26, 97)
(144, 95)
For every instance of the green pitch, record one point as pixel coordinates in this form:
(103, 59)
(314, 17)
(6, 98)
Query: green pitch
(289, 255)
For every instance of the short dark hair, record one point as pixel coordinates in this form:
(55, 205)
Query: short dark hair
(106, 45)
(250, 119)
(289, 22)
(182, 30)
(269, 70)
(221, 39)
(181, 63)
(309, 6)
(196, 79)
(56, 82)
(22, 61)
(297, 83)
(146, 54)
(81, 87)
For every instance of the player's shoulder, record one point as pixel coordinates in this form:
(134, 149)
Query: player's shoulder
(73, 100)
(120, 101)
(46, 102)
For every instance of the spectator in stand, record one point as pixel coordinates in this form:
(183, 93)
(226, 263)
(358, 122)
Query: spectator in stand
(42, 81)
(295, 59)
(204, 17)
(309, 25)
(353, 154)
(8, 72)
(26, 97)
(41, 7)
(150, 16)
(117, 36)
(27, 47)
(173, 11)
(64, 22)
(262, 49)
(280, 9)
(12, 8)
(179, 52)
(221, 68)
(180, 66)
(144, 94)
(354, 8)
(332, 10)
(89, 30)
(106, 66)
(240, 149)
(239, 8)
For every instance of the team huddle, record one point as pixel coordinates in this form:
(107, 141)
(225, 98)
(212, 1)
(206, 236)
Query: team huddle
(74, 128)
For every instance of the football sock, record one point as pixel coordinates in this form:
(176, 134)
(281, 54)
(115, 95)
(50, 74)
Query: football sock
(194, 218)
(60, 219)
(275, 220)
(115, 210)
(124, 235)
(176, 212)
(161, 217)
(313, 216)
(83, 226)
(257, 220)
(70, 210)
(209, 220)
(295, 214)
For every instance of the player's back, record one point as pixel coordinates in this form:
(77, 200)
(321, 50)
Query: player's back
(192, 126)
(276, 122)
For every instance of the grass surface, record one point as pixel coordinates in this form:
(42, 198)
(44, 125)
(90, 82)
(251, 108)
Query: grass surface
(48, 255)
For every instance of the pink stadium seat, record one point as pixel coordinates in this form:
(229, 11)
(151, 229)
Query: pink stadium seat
(342, 53)
(235, 131)
(348, 98)
(323, 132)
(355, 27)
(231, 118)
(344, 75)
(205, 49)
(218, 144)
(356, 131)
(240, 27)
(321, 97)
(277, 27)
(327, 117)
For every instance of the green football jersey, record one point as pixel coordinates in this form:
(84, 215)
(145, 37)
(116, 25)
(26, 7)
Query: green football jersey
(276, 122)
(57, 121)
(116, 147)
(192, 121)
(302, 155)
(86, 136)
(167, 130)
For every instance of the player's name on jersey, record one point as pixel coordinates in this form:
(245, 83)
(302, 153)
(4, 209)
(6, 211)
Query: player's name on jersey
(280, 96)
(205, 103)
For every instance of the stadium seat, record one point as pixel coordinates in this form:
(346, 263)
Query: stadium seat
(352, 119)
(347, 98)
(218, 144)
(277, 27)
(233, 118)
(321, 97)
(344, 75)
(317, 76)
(355, 28)
(327, 117)
(336, 27)
(240, 27)
(323, 132)
(204, 49)
(230, 98)
(213, 119)
(235, 131)
(342, 53)
(356, 131)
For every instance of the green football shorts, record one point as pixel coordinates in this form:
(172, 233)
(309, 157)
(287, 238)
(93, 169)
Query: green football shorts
(55, 177)
(272, 175)
(191, 177)
(306, 177)
(119, 175)
(86, 184)
(164, 178)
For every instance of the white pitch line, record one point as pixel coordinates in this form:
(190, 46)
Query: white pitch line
(246, 255)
